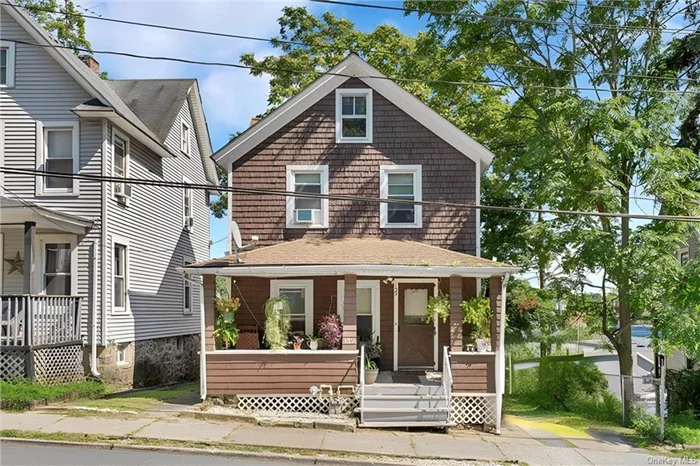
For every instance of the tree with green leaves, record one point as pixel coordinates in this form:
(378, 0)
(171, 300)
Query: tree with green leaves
(609, 130)
(62, 19)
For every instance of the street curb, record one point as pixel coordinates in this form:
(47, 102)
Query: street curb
(303, 424)
(199, 451)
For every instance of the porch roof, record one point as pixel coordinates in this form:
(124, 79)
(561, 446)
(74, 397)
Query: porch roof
(14, 211)
(360, 256)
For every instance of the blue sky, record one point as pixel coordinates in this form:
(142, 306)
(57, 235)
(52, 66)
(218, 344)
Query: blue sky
(231, 96)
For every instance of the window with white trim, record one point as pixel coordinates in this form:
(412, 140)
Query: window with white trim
(119, 288)
(57, 269)
(120, 166)
(123, 353)
(59, 152)
(367, 307)
(187, 210)
(402, 183)
(186, 291)
(353, 115)
(307, 212)
(185, 138)
(300, 295)
(7, 64)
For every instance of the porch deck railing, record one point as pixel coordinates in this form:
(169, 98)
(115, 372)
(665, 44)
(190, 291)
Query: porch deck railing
(39, 320)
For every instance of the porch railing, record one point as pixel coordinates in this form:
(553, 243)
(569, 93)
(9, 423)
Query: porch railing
(447, 379)
(362, 383)
(37, 320)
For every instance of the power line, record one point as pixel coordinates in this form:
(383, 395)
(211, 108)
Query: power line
(346, 75)
(375, 200)
(499, 18)
(377, 51)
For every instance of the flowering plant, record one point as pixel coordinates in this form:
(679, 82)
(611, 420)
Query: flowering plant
(297, 340)
(225, 330)
(331, 330)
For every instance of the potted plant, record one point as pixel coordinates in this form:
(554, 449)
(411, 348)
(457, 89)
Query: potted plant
(477, 313)
(438, 306)
(225, 329)
(371, 371)
(312, 341)
(296, 342)
(331, 331)
(277, 322)
(373, 349)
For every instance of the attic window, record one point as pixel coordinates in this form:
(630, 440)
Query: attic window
(7, 64)
(353, 115)
(185, 139)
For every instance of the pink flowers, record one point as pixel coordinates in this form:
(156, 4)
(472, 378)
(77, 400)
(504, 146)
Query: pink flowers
(331, 330)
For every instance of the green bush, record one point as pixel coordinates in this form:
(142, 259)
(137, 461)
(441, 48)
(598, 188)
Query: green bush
(21, 394)
(683, 391)
(647, 426)
(683, 428)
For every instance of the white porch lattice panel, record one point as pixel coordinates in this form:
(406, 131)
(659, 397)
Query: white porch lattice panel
(59, 364)
(12, 364)
(473, 408)
(298, 404)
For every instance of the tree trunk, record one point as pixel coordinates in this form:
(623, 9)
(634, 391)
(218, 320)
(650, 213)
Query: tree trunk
(624, 337)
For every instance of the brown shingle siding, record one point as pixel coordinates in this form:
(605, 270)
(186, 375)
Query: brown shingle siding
(354, 170)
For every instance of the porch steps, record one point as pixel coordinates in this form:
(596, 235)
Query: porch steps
(403, 405)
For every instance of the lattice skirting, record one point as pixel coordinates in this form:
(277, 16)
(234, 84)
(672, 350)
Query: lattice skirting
(12, 364)
(299, 404)
(473, 408)
(59, 365)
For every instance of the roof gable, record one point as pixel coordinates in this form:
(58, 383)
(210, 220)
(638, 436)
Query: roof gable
(353, 66)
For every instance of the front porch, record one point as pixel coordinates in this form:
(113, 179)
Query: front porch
(377, 303)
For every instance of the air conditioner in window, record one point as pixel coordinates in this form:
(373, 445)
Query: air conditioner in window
(307, 216)
(189, 223)
(122, 191)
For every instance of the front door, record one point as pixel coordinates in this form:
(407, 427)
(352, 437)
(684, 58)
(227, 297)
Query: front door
(416, 337)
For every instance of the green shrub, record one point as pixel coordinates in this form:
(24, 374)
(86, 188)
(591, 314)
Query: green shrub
(562, 385)
(683, 428)
(647, 426)
(21, 394)
(683, 391)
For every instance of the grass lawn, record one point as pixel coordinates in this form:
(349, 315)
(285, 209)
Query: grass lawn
(141, 400)
(21, 394)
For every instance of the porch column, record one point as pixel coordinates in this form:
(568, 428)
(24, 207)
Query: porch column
(456, 331)
(496, 299)
(350, 313)
(29, 237)
(209, 282)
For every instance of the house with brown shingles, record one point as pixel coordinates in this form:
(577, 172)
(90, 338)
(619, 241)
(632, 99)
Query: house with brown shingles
(365, 237)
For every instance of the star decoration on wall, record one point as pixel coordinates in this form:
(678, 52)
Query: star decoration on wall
(16, 264)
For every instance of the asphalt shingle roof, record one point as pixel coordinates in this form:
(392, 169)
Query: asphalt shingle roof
(156, 102)
(351, 251)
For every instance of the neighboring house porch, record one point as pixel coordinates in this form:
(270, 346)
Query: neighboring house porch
(380, 289)
(40, 320)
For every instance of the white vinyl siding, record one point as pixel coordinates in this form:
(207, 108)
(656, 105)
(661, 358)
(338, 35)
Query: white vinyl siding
(43, 92)
(156, 290)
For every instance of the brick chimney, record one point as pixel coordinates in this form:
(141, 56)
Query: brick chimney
(90, 61)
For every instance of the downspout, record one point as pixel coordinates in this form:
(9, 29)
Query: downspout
(93, 305)
(202, 339)
(103, 239)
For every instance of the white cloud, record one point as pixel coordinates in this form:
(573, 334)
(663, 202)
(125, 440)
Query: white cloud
(231, 97)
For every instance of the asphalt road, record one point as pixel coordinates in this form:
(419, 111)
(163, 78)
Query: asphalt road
(15, 454)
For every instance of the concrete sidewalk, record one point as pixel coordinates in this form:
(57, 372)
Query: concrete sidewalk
(526, 443)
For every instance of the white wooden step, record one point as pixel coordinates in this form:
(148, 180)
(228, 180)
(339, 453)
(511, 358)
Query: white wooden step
(389, 409)
(406, 424)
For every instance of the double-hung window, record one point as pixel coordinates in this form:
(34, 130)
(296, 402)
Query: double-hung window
(7, 64)
(187, 211)
(57, 269)
(119, 288)
(187, 291)
(400, 183)
(307, 212)
(58, 152)
(300, 296)
(185, 139)
(367, 307)
(120, 166)
(353, 115)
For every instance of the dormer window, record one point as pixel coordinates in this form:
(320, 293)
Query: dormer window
(307, 212)
(353, 114)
